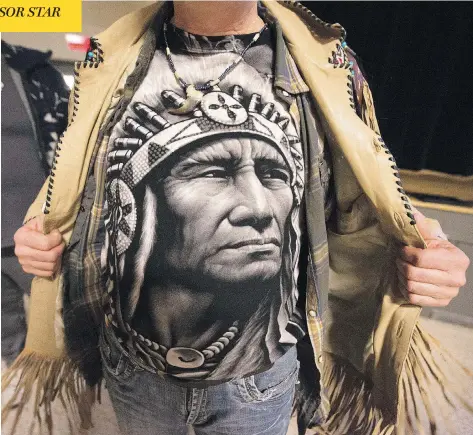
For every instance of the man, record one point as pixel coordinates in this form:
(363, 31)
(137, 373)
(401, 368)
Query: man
(211, 170)
(34, 114)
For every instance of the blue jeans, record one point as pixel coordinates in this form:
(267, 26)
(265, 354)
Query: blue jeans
(147, 404)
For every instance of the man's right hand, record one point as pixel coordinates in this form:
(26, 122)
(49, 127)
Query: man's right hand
(38, 253)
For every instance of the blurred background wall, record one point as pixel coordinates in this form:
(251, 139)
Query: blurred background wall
(416, 56)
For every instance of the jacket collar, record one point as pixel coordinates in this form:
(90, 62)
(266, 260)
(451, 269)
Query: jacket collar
(349, 137)
(286, 74)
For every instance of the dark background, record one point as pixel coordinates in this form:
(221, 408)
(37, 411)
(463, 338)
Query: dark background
(418, 60)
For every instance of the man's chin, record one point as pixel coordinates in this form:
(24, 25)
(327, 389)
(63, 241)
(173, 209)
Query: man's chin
(245, 274)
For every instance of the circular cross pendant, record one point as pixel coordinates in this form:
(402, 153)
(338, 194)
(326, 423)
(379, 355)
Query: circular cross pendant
(185, 358)
(223, 108)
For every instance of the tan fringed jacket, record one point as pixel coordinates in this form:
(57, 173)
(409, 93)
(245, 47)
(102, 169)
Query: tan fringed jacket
(375, 358)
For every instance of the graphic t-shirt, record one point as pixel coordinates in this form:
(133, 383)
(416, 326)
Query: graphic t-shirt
(203, 231)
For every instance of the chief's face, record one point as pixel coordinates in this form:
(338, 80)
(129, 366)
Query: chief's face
(229, 202)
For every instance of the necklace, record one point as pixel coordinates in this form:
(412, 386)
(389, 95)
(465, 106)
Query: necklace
(194, 93)
(159, 356)
(182, 357)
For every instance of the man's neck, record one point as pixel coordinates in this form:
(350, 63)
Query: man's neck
(175, 314)
(216, 18)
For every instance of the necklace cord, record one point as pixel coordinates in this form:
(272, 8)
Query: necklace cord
(211, 83)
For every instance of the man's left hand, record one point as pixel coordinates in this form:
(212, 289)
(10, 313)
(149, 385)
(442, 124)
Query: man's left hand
(431, 277)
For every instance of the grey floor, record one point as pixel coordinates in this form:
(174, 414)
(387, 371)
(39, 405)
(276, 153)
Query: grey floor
(458, 339)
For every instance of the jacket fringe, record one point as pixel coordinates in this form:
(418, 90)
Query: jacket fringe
(433, 387)
(39, 380)
(352, 409)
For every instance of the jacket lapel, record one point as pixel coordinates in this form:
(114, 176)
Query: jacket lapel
(348, 135)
